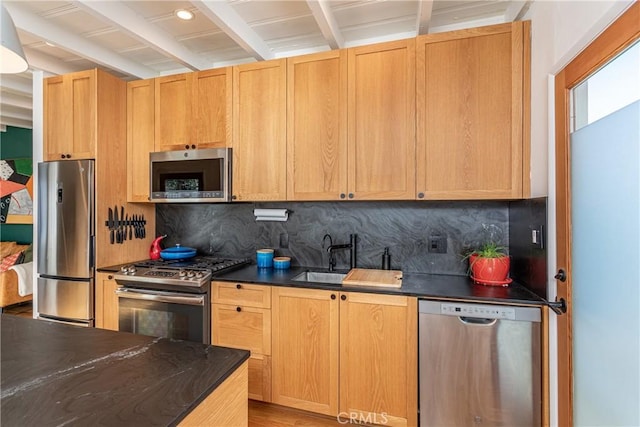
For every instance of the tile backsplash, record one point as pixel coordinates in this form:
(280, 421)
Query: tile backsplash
(404, 227)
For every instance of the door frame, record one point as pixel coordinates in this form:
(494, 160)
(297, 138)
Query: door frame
(613, 40)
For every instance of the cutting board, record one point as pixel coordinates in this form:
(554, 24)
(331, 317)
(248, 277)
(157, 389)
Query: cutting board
(371, 277)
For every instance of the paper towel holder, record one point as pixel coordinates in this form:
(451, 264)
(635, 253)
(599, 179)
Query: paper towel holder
(280, 215)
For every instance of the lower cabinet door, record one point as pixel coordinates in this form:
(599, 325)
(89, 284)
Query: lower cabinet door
(378, 359)
(305, 349)
(260, 377)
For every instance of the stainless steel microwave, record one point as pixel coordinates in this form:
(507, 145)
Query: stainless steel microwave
(189, 176)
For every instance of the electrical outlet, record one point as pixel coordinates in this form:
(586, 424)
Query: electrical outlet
(284, 240)
(437, 244)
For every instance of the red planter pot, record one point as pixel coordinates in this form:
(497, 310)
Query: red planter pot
(490, 271)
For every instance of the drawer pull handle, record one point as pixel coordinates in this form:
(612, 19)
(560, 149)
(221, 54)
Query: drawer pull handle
(238, 309)
(238, 286)
(343, 297)
(110, 277)
(333, 296)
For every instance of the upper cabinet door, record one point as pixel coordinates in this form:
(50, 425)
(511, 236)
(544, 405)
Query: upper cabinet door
(382, 115)
(211, 98)
(173, 113)
(259, 131)
(140, 138)
(317, 126)
(70, 111)
(473, 135)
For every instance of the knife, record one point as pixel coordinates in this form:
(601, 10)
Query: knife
(110, 225)
(130, 228)
(116, 224)
(143, 232)
(125, 219)
(123, 230)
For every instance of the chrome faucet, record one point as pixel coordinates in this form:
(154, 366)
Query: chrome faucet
(332, 248)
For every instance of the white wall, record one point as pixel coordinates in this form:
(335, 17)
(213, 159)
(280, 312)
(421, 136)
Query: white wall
(559, 31)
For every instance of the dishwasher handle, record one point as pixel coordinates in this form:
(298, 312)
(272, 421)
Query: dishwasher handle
(477, 321)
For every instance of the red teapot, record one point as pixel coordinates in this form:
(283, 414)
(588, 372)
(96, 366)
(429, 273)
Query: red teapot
(155, 249)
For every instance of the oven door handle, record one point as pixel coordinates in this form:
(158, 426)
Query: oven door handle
(168, 297)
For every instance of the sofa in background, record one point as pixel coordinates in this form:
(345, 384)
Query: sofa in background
(9, 279)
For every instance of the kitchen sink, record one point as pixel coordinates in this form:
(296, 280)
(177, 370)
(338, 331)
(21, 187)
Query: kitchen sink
(320, 277)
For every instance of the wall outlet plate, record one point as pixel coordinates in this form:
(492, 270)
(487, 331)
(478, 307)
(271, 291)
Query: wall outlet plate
(437, 244)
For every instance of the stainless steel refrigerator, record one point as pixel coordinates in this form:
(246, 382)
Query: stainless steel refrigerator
(66, 241)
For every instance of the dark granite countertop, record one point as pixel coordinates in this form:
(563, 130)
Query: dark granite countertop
(413, 284)
(55, 374)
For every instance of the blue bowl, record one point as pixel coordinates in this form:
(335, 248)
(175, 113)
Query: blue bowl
(281, 263)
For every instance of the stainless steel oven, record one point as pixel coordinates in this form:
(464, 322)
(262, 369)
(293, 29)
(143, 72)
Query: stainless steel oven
(170, 299)
(167, 314)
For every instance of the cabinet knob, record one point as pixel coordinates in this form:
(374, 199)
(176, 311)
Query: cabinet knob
(63, 156)
(193, 146)
(110, 277)
(420, 195)
(234, 197)
(238, 309)
(238, 286)
(186, 146)
(351, 196)
(343, 297)
(333, 296)
(342, 195)
(68, 156)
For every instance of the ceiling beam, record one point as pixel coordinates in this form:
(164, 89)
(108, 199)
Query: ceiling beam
(232, 24)
(515, 10)
(129, 22)
(327, 23)
(49, 64)
(17, 101)
(15, 84)
(44, 29)
(425, 9)
(27, 124)
(16, 113)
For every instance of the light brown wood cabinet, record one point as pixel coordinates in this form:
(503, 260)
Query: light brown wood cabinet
(193, 110)
(317, 126)
(259, 131)
(241, 318)
(71, 114)
(381, 123)
(473, 123)
(140, 137)
(106, 302)
(347, 354)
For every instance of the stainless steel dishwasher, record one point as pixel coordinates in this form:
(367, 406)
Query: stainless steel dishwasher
(479, 364)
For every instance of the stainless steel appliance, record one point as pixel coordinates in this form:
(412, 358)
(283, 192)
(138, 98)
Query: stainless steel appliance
(191, 176)
(170, 298)
(66, 241)
(479, 364)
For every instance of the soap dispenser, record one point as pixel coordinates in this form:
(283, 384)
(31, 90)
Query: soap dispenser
(386, 260)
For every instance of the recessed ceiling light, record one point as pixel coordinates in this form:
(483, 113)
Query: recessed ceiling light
(184, 14)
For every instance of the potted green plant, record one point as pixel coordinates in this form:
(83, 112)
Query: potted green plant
(489, 265)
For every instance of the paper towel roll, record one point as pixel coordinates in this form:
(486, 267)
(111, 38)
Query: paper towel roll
(271, 214)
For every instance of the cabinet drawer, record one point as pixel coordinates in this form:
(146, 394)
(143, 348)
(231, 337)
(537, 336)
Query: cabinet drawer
(260, 377)
(241, 294)
(236, 326)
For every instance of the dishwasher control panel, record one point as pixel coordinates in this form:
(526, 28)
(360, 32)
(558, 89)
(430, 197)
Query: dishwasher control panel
(483, 311)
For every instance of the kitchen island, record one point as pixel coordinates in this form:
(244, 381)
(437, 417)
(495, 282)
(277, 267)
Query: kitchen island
(56, 374)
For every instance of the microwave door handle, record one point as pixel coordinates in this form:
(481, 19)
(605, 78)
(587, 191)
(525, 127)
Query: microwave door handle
(168, 297)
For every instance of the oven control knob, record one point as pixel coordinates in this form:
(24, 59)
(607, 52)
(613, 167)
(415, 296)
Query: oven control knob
(190, 274)
(132, 269)
(182, 273)
(124, 269)
(199, 275)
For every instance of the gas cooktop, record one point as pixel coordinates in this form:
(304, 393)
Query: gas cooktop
(191, 273)
(213, 264)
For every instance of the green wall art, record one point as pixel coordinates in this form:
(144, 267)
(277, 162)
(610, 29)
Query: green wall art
(16, 191)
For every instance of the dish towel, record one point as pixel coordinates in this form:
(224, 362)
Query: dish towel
(25, 278)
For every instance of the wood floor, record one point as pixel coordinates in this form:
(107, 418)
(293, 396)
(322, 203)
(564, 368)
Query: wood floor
(269, 415)
(260, 414)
